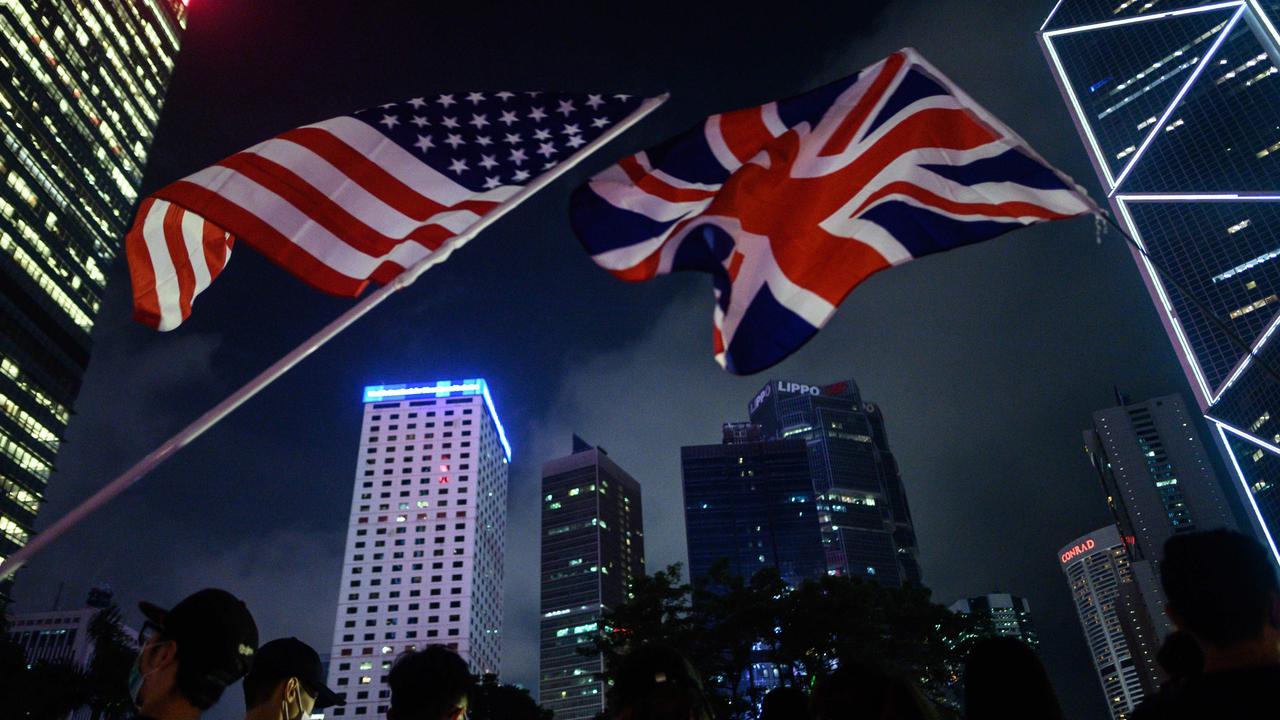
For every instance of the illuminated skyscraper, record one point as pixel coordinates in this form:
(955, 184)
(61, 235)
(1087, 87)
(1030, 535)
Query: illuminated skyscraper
(592, 550)
(862, 506)
(84, 82)
(1010, 615)
(1158, 483)
(424, 557)
(1178, 104)
(1097, 568)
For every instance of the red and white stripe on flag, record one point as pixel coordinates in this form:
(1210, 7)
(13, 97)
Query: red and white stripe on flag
(358, 198)
(173, 256)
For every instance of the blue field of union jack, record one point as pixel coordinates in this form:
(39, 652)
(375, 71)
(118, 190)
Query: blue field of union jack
(791, 204)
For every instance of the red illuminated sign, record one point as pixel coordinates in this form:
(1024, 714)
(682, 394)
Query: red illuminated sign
(1077, 550)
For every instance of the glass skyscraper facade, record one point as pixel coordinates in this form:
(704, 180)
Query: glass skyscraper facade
(1178, 104)
(862, 509)
(84, 84)
(592, 551)
(749, 501)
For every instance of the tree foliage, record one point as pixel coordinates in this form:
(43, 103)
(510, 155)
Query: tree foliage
(728, 624)
(491, 700)
(52, 690)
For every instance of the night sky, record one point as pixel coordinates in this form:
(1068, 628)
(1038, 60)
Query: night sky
(987, 361)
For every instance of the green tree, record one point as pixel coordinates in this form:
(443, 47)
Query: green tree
(50, 691)
(107, 676)
(729, 623)
(492, 700)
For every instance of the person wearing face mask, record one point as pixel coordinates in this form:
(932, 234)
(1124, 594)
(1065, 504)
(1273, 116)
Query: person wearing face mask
(286, 682)
(190, 654)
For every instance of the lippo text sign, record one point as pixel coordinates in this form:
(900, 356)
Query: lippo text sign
(783, 386)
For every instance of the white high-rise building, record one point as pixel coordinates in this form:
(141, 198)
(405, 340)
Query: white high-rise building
(423, 563)
(1097, 567)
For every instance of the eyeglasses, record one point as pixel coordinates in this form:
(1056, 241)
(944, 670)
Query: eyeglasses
(149, 632)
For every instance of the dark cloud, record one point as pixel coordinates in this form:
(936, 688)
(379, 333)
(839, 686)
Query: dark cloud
(987, 361)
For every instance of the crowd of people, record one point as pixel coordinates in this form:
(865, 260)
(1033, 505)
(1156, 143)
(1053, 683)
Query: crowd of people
(1221, 588)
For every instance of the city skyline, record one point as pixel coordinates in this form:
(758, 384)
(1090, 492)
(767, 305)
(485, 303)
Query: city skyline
(987, 361)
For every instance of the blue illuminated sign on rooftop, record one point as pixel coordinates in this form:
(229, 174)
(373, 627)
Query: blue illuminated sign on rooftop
(440, 388)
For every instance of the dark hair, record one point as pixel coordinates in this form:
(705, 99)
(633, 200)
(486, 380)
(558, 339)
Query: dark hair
(784, 703)
(427, 684)
(858, 690)
(1220, 584)
(258, 689)
(655, 682)
(195, 682)
(1180, 657)
(1003, 678)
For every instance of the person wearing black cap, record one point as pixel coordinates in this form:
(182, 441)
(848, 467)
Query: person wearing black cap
(188, 655)
(286, 682)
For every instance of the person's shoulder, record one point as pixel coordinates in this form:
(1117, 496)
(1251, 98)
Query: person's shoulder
(1245, 693)
(1158, 706)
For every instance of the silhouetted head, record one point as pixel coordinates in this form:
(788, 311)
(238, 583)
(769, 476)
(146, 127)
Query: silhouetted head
(1220, 586)
(784, 703)
(1180, 657)
(857, 690)
(655, 682)
(430, 684)
(1003, 678)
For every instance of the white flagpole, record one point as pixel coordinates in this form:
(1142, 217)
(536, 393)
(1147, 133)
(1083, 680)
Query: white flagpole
(327, 333)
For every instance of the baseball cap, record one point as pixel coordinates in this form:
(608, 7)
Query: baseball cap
(290, 657)
(215, 632)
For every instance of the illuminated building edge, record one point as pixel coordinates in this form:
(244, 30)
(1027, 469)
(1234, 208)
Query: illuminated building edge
(1269, 37)
(390, 393)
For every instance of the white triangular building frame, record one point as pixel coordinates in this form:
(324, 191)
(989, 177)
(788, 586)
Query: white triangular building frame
(1251, 13)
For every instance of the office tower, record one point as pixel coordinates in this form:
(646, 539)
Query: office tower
(1158, 482)
(1178, 108)
(424, 556)
(84, 83)
(750, 501)
(862, 506)
(1009, 615)
(1098, 571)
(592, 551)
(61, 636)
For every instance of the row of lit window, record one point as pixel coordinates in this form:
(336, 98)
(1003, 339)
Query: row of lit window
(81, 209)
(105, 41)
(37, 68)
(20, 495)
(10, 368)
(10, 529)
(1255, 305)
(131, 100)
(23, 457)
(46, 283)
(33, 236)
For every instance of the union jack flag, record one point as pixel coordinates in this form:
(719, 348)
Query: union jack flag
(789, 205)
(357, 198)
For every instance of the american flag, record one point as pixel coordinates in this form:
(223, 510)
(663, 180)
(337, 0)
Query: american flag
(789, 205)
(359, 197)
